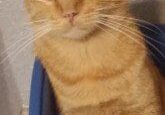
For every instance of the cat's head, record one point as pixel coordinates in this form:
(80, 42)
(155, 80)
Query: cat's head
(74, 19)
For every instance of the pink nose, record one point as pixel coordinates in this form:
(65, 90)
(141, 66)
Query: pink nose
(70, 16)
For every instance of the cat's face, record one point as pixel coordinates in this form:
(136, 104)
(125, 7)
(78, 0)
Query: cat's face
(74, 19)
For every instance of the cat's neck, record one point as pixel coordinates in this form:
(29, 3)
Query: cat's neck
(105, 53)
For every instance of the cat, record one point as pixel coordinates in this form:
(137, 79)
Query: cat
(95, 57)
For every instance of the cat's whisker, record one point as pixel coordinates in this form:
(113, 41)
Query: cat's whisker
(137, 32)
(31, 41)
(134, 19)
(40, 21)
(112, 1)
(128, 21)
(19, 40)
(140, 36)
(27, 43)
(136, 41)
(114, 37)
(149, 43)
(103, 8)
(16, 42)
(89, 14)
(150, 53)
(36, 21)
(112, 27)
(105, 31)
(106, 8)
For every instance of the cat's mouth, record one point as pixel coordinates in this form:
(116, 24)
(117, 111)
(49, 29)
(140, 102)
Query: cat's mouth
(78, 29)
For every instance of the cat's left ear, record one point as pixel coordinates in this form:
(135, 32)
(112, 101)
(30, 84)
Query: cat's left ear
(47, 2)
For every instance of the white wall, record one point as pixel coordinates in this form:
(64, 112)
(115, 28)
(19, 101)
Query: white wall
(15, 73)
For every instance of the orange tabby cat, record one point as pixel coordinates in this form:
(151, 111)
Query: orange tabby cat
(95, 57)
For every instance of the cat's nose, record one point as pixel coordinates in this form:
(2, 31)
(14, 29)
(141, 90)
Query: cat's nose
(70, 16)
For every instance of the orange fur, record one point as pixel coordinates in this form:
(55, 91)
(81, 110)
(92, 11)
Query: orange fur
(94, 72)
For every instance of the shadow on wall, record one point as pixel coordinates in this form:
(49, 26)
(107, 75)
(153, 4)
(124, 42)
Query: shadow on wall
(147, 10)
(10, 103)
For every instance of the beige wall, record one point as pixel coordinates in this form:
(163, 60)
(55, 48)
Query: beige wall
(15, 74)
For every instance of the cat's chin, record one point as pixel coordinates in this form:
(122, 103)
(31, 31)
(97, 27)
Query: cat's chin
(76, 33)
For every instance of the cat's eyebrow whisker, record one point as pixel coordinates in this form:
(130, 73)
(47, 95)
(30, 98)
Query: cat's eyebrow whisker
(140, 36)
(27, 43)
(134, 19)
(19, 40)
